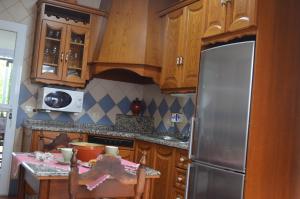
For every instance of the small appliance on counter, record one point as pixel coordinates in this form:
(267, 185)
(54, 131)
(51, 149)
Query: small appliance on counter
(54, 99)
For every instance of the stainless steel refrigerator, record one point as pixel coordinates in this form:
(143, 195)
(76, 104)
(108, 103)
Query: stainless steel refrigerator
(219, 135)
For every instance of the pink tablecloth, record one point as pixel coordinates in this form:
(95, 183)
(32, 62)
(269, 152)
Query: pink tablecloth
(19, 158)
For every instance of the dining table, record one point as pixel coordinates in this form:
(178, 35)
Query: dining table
(49, 179)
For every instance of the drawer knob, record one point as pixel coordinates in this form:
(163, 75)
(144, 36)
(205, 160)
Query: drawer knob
(179, 179)
(181, 159)
(178, 197)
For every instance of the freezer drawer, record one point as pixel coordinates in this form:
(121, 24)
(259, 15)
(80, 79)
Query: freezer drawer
(212, 183)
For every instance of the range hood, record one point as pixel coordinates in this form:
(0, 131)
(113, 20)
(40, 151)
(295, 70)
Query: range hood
(132, 41)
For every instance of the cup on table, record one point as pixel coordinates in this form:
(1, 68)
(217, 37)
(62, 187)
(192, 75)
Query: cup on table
(67, 154)
(112, 150)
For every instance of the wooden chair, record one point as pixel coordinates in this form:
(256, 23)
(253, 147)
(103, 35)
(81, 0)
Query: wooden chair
(122, 184)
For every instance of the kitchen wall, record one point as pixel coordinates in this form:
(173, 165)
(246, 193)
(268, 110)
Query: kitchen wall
(103, 98)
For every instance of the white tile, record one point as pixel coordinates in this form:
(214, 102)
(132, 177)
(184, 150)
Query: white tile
(116, 94)
(6, 16)
(54, 115)
(8, 3)
(18, 12)
(96, 113)
(2, 7)
(29, 4)
(113, 112)
(29, 106)
(97, 91)
(90, 3)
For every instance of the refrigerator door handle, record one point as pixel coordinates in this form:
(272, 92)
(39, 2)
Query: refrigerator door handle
(191, 137)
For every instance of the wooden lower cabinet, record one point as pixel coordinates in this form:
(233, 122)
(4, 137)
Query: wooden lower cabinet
(50, 140)
(172, 164)
(164, 162)
(126, 153)
(177, 194)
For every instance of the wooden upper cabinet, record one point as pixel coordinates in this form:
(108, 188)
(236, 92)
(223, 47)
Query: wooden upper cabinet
(76, 54)
(215, 17)
(173, 47)
(182, 46)
(223, 16)
(243, 14)
(51, 51)
(193, 35)
(62, 43)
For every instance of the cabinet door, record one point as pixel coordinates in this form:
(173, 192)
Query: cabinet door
(178, 194)
(242, 14)
(76, 54)
(126, 154)
(51, 50)
(193, 34)
(164, 162)
(215, 16)
(141, 147)
(173, 46)
(50, 141)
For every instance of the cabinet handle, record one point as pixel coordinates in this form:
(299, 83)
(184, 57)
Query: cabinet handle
(181, 159)
(181, 60)
(177, 61)
(178, 197)
(61, 57)
(67, 57)
(179, 179)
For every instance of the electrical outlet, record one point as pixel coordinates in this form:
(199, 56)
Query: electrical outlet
(177, 117)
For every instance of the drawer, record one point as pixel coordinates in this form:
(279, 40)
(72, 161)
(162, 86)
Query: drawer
(182, 159)
(180, 179)
(178, 194)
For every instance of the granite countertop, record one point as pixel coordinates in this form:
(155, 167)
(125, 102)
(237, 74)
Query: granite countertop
(42, 170)
(101, 130)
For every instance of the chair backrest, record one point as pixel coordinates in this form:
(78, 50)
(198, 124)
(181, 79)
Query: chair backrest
(122, 184)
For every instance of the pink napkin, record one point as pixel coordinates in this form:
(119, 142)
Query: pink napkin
(130, 166)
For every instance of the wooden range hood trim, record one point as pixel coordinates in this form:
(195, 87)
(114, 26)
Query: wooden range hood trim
(144, 70)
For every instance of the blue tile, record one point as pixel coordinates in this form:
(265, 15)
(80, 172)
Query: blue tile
(88, 101)
(186, 129)
(172, 129)
(152, 107)
(24, 95)
(21, 116)
(175, 107)
(42, 116)
(163, 108)
(124, 105)
(106, 103)
(105, 121)
(161, 127)
(188, 109)
(64, 117)
(85, 119)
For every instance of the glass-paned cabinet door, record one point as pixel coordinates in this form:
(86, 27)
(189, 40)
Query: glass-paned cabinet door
(51, 55)
(76, 57)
